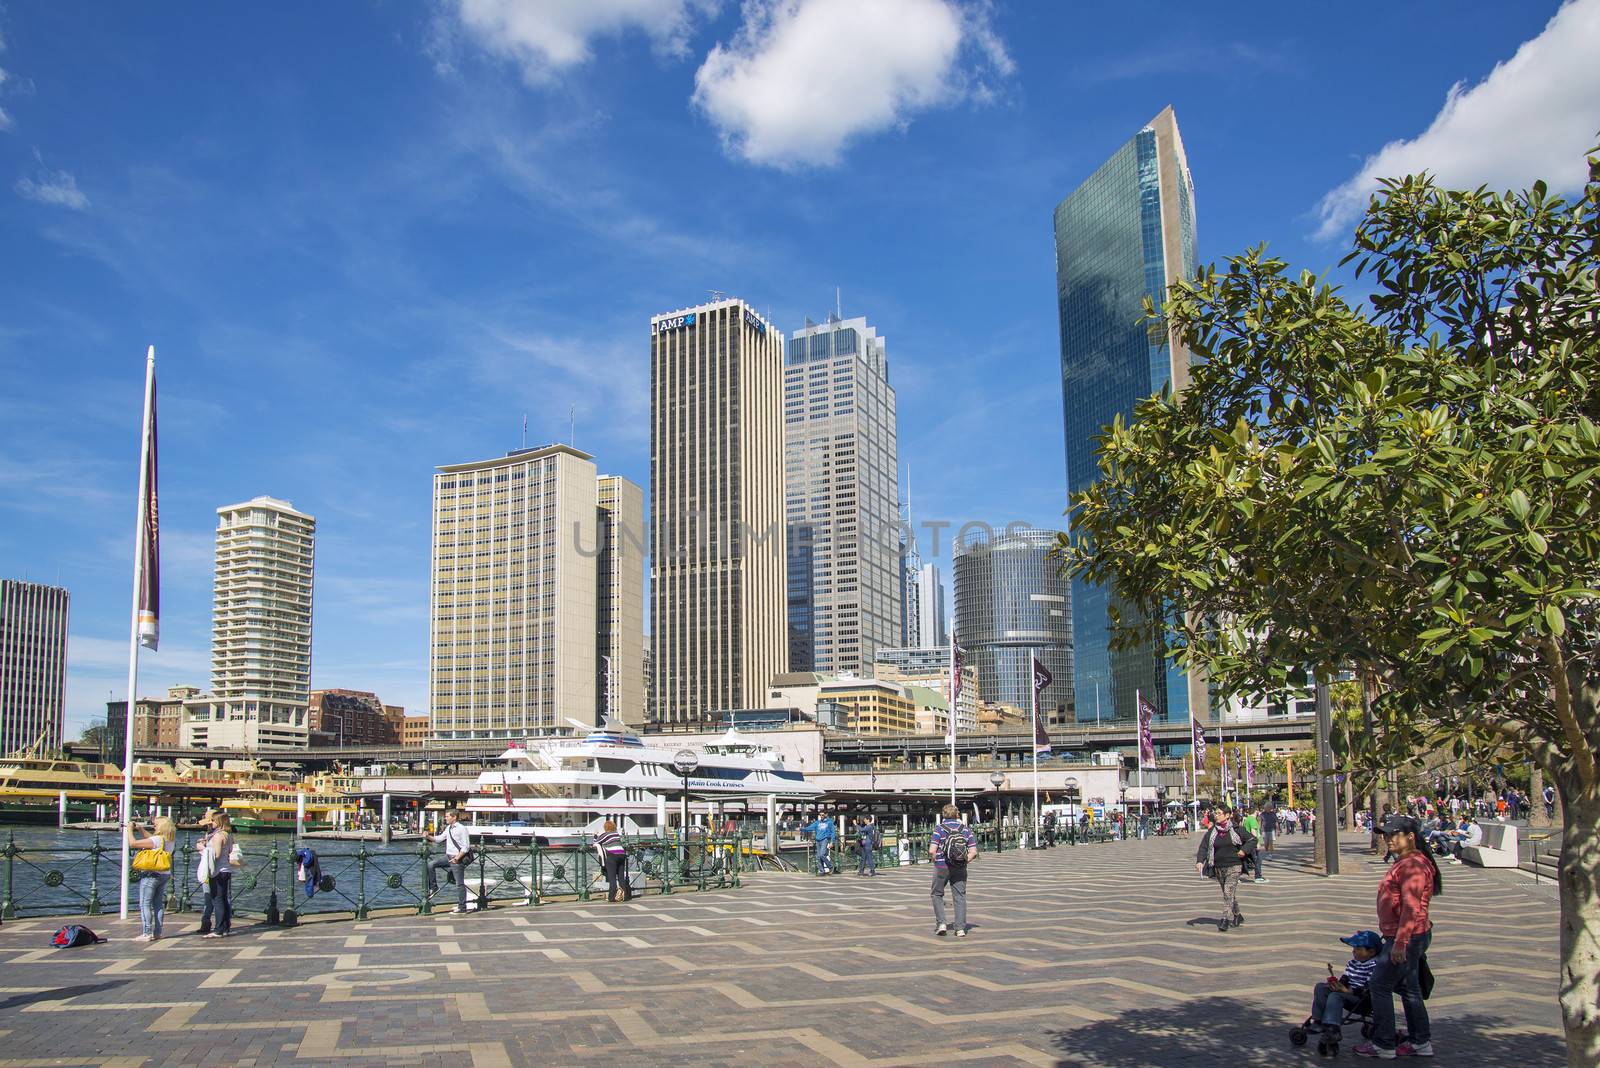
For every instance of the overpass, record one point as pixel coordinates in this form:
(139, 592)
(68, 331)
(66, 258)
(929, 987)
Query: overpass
(838, 750)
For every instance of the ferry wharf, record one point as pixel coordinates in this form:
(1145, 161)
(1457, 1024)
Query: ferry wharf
(1104, 955)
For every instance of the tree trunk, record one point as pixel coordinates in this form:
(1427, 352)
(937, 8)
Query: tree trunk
(1580, 923)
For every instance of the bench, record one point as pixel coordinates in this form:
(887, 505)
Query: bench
(1498, 848)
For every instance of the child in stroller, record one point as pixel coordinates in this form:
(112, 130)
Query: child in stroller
(1339, 1000)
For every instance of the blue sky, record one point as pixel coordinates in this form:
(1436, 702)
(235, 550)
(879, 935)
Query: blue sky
(367, 237)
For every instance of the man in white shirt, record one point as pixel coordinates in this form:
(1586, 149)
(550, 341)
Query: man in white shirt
(457, 854)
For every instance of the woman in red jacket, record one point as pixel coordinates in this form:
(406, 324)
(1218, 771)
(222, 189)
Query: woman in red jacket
(1403, 896)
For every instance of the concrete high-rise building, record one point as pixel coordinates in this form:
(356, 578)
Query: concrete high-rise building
(1122, 236)
(512, 599)
(925, 607)
(260, 630)
(619, 609)
(1011, 604)
(33, 665)
(842, 492)
(717, 623)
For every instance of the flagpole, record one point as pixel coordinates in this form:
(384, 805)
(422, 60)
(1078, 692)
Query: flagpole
(952, 719)
(1033, 688)
(1194, 765)
(1138, 708)
(133, 626)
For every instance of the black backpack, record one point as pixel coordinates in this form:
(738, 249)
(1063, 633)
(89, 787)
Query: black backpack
(955, 845)
(74, 935)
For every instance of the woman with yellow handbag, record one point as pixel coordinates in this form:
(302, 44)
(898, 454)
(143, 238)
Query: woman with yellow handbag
(153, 862)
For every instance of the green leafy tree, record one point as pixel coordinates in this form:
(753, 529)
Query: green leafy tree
(1411, 488)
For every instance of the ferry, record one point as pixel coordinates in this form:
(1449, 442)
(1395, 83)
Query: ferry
(31, 786)
(561, 791)
(274, 806)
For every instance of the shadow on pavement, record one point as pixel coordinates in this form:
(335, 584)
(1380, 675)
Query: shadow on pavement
(1220, 1031)
(60, 993)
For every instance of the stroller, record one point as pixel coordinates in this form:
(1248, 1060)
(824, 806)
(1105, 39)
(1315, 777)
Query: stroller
(1360, 1012)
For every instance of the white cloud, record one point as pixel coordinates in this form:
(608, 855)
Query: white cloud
(803, 77)
(550, 36)
(1533, 117)
(59, 188)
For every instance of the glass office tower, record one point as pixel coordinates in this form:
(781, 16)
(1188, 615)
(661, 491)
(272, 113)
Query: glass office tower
(1121, 236)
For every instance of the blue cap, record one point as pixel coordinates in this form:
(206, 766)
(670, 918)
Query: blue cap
(1364, 940)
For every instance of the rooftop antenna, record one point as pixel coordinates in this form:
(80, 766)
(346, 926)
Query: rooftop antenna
(524, 430)
(572, 425)
(838, 303)
(716, 295)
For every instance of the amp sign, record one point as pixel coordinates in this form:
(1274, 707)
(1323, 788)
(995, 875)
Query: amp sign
(676, 322)
(754, 323)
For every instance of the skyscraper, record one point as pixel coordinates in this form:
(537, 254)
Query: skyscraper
(717, 620)
(924, 605)
(1123, 235)
(1011, 602)
(512, 601)
(260, 630)
(619, 609)
(842, 490)
(33, 664)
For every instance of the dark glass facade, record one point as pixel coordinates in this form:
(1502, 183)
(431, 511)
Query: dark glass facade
(1119, 236)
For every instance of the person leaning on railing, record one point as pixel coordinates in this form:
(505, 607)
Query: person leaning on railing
(613, 854)
(154, 861)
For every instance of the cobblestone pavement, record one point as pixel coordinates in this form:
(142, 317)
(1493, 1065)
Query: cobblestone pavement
(1103, 955)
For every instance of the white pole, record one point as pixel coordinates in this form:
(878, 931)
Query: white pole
(133, 627)
(1033, 833)
(1138, 723)
(300, 813)
(951, 717)
(61, 808)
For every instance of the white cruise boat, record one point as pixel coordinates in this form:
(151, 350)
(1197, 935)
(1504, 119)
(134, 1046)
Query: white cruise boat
(560, 790)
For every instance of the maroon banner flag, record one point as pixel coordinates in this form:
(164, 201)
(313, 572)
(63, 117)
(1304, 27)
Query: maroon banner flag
(1249, 770)
(1147, 741)
(149, 609)
(955, 677)
(1199, 734)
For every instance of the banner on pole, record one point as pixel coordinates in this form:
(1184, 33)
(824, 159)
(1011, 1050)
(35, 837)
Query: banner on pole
(1249, 770)
(149, 545)
(1147, 742)
(1199, 733)
(1041, 681)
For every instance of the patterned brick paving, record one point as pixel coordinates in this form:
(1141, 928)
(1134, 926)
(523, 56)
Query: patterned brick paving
(1103, 955)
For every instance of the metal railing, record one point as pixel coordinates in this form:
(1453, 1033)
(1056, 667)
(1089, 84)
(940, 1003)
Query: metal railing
(358, 880)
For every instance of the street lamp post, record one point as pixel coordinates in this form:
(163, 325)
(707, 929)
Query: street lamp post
(685, 761)
(997, 780)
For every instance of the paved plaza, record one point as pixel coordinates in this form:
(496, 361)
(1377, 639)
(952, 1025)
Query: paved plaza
(1103, 955)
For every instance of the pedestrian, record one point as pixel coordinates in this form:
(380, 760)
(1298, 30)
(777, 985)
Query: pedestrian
(867, 840)
(457, 853)
(1549, 802)
(154, 863)
(822, 830)
(219, 901)
(1269, 824)
(1224, 852)
(202, 872)
(952, 848)
(613, 855)
(1252, 826)
(1403, 897)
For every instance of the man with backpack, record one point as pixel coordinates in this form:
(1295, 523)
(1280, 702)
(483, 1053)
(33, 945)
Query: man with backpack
(952, 847)
(867, 840)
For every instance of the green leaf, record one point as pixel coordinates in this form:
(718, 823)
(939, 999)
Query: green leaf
(1537, 543)
(1555, 620)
